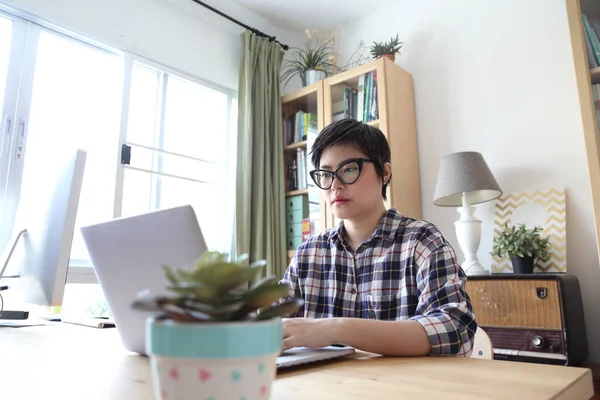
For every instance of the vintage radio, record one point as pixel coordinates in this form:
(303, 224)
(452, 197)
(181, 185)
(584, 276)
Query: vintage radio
(531, 317)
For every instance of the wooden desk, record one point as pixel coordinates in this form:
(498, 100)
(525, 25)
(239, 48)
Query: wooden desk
(73, 362)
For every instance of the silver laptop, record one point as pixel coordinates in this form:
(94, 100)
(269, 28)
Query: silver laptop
(126, 254)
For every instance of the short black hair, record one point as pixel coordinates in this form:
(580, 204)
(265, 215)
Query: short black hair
(369, 139)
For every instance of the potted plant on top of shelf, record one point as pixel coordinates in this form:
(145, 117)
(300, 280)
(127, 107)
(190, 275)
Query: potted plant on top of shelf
(220, 334)
(522, 245)
(387, 49)
(312, 63)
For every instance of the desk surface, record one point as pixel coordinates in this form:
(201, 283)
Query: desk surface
(74, 362)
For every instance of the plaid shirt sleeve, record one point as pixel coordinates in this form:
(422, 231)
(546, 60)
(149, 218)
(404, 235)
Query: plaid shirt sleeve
(290, 278)
(444, 308)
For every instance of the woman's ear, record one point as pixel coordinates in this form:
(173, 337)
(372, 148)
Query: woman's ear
(387, 172)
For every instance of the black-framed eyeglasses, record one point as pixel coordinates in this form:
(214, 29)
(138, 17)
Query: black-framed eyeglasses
(347, 173)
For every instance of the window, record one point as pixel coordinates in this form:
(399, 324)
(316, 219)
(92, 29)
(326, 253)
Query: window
(76, 101)
(178, 131)
(61, 90)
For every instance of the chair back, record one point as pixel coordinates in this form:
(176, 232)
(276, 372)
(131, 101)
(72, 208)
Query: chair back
(482, 345)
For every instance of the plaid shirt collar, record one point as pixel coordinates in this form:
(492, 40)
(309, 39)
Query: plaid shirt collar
(387, 226)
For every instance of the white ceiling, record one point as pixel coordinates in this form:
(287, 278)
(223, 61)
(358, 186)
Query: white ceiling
(293, 15)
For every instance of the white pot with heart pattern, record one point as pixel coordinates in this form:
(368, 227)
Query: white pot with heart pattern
(213, 361)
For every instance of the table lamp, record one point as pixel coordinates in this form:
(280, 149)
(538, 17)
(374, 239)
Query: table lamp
(465, 179)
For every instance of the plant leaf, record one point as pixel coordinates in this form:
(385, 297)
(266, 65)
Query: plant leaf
(283, 309)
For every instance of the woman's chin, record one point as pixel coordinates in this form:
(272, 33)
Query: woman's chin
(343, 213)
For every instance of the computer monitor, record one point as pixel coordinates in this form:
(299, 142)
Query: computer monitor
(40, 248)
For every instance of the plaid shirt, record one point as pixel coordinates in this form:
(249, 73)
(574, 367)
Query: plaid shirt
(405, 270)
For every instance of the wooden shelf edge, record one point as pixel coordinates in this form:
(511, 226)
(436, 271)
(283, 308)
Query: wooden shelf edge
(355, 72)
(595, 75)
(294, 146)
(373, 123)
(291, 253)
(590, 123)
(296, 192)
(300, 93)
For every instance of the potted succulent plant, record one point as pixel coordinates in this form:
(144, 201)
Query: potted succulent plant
(313, 62)
(522, 245)
(387, 49)
(219, 334)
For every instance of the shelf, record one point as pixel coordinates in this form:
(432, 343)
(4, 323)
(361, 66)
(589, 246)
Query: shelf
(301, 93)
(296, 192)
(351, 77)
(294, 146)
(583, 76)
(374, 123)
(291, 253)
(595, 75)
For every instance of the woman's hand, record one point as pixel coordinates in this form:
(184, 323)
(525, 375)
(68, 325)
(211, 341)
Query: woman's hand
(306, 332)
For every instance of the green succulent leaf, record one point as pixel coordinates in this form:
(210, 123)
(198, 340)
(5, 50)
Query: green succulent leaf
(217, 289)
(282, 310)
(145, 305)
(305, 59)
(392, 46)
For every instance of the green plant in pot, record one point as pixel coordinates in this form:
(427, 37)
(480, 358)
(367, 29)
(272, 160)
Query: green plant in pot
(524, 246)
(220, 332)
(387, 49)
(314, 62)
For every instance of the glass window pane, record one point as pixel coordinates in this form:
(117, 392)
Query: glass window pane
(208, 202)
(143, 158)
(172, 164)
(6, 28)
(195, 120)
(141, 126)
(76, 102)
(5, 39)
(138, 187)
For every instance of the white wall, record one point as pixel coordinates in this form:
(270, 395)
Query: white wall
(496, 77)
(177, 33)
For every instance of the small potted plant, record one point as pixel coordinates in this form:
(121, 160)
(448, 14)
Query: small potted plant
(219, 334)
(387, 49)
(312, 63)
(522, 245)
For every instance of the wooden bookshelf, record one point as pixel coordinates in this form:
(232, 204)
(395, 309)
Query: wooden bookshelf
(585, 78)
(396, 119)
(395, 102)
(595, 75)
(296, 192)
(308, 99)
(299, 145)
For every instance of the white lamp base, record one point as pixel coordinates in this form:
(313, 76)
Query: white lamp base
(468, 233)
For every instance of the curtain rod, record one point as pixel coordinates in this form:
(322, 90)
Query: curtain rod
(253, 30)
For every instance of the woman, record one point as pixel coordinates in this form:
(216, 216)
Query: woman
(380, 282)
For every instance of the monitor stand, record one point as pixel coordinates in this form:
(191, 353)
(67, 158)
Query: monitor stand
(8, 314)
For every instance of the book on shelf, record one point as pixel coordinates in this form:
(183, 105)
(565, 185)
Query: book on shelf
(359, 103)
(298, 164)
(596, 94)
(295, 128)
(592, 41)
(306, 232)
(296, 170)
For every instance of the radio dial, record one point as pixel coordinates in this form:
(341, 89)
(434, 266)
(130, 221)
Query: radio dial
(537, 341)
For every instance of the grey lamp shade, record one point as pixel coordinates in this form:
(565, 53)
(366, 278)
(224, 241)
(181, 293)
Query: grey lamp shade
(466, 172)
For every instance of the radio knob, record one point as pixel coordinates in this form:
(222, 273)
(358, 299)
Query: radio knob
(537, 342)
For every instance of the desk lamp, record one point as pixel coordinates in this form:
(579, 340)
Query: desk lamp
(465, 179)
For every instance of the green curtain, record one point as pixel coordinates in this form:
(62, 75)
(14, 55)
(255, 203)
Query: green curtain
(260, 196)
